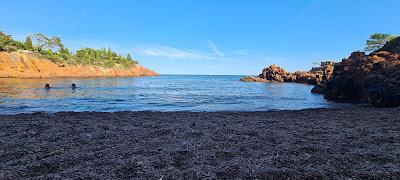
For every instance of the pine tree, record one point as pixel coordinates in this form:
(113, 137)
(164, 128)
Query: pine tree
(28, 43)
(128, 57)
(377, 41)
(109, 52)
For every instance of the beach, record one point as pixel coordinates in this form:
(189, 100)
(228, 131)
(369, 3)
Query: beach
(313, 143)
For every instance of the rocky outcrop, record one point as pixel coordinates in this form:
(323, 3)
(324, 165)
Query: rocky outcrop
(372, 79)
(305, 77)
(275, 73)
(253, 79)
(25, 65)
(361, 78)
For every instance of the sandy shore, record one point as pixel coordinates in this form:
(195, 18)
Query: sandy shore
(358, 143)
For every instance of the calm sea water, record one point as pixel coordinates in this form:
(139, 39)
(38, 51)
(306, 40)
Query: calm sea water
(162, 93)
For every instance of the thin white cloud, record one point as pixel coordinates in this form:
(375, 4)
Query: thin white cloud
(168, 52)
(214, 48)
(270, 59)
(176, 53)
(249, 51)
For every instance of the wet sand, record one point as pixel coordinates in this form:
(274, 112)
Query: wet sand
(314, 143)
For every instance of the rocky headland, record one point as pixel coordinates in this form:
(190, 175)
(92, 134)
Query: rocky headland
(28, 65)
(372, 79)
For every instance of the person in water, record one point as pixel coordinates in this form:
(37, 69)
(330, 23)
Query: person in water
(73, 86)
(47, 86)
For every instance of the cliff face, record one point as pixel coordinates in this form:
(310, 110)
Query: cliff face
(21, 65)
(372, 79)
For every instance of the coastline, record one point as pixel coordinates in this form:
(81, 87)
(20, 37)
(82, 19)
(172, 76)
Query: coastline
(310, 143)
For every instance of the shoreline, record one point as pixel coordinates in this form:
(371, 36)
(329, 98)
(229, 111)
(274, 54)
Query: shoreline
(361, 106)
(310, 143)
(78, 77)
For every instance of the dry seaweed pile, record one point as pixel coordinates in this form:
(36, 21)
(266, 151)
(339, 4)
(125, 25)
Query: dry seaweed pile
(358, 143)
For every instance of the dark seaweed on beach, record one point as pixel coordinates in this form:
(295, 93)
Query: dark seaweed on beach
(305, 144)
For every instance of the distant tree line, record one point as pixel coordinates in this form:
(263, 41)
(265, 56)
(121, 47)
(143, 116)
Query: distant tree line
(53, 49)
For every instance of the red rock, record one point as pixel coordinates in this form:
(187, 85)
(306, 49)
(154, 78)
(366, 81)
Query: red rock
(253, 79)
(274, 73)
(372, 79)
(23, 65)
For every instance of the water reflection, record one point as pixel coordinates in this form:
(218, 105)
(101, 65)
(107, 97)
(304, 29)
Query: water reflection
(34, 88)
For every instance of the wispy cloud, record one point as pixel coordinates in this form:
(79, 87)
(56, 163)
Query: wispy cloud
(274, 59)
(214, 48)
(179, 53)
(168, 52)
(249, 51)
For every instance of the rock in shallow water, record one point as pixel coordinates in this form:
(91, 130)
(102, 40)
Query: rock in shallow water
(253, 79)
(275, 73)
(318, 89)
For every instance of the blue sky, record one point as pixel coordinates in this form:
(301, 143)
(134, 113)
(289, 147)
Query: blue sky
(209, 36)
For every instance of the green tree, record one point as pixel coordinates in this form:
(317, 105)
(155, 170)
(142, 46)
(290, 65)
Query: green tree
(377, 41)
(41, 41)
(46, 43)
(5, 40)
(8, 44)
(128, 57)
(57, 43)
(28, 43)
(54, 50)
(109, 52)
(102, 57)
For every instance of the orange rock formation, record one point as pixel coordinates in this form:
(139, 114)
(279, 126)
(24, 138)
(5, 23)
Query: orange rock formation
(23, 65)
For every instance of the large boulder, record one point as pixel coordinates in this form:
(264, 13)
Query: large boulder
(305, 77)
(274, 73)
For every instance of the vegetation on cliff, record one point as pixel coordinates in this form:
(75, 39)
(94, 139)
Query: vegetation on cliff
(54, 50)
(377, 40)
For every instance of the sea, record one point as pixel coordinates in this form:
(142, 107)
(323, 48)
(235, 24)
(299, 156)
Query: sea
(160, 93)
